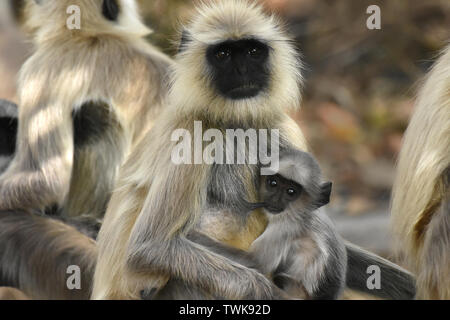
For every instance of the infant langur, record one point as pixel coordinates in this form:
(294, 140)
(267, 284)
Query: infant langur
(300, 248)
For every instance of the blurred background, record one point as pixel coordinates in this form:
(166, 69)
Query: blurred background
(358, 95)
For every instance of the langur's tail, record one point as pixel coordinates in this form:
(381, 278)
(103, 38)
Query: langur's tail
(395, 282)
(44, 257)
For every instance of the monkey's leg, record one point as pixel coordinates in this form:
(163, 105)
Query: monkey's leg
(331, 283)
(36, 252)
(332, 261)
(8, 132)
(39, 174)
(396, 282)
(433, 279)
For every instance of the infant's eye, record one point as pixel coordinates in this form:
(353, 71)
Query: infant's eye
(272, 182)
(291, 192)
(222, 54)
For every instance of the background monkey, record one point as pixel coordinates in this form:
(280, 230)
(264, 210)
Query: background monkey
(420, 198)
(103, 81)
(86, 96)
(235, 69)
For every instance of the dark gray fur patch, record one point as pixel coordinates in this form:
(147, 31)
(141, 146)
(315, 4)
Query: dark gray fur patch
(90, 122)
(8, 127)
(17, 7)
(110, 9)
(396, 284)
(8, 134)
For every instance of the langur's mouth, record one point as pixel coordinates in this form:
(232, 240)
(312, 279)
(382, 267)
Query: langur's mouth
(244, 92)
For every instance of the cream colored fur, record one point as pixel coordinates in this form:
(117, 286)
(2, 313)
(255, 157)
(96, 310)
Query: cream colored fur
(420, 189)
(103, 61)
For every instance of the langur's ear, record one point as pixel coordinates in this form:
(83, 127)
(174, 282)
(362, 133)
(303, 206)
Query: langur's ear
(184, 41)
(110, 9)
(325, 193)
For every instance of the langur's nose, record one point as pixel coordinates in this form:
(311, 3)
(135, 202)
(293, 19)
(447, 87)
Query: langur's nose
(242, 69)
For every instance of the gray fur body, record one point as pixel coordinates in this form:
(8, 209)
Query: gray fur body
(303, 247)
(36, 251)
(301, 244)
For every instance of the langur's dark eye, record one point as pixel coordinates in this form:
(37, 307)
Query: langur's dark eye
(291, 192)
(223, 54)
(254, 52)
(272, 182)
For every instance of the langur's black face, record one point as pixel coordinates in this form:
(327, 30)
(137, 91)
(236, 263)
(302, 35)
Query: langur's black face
(277, 192)
(240, 68)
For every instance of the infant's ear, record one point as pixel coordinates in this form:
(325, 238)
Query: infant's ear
(325, 193)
